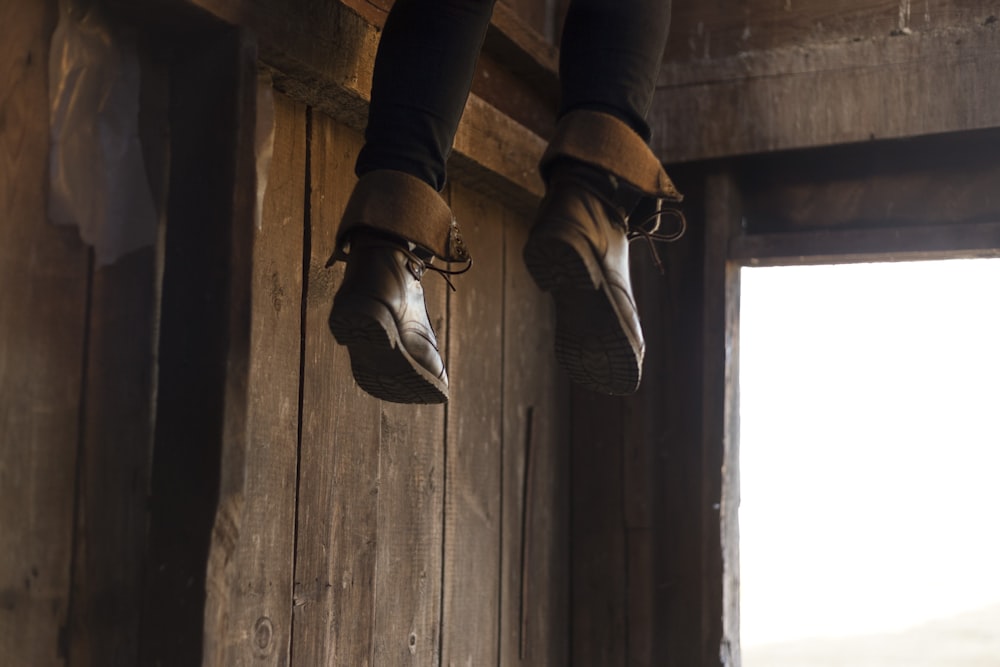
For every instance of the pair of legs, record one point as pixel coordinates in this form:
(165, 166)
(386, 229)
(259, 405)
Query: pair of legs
(598, 168)
(609, 59)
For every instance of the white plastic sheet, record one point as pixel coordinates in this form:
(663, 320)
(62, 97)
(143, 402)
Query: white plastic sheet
(98, 178)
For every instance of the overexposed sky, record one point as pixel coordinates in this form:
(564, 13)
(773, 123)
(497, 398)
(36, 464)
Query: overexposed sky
(870, 446)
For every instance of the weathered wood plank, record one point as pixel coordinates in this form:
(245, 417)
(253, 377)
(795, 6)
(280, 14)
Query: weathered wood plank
(336, 530)
(886, 87)
(943, 179)
(408, 570)
(701, 31)
(535, 557)
(323, 54)
(200, 435)
(253, 605)
(867, 245)
(43, 309)
(114, 464)
(720, 427)
(472, 519)
(599, 541)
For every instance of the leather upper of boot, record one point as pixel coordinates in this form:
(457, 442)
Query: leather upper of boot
(385, 270)
(584, 202)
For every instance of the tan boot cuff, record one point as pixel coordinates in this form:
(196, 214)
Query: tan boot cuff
(602, 140)
(404, 206)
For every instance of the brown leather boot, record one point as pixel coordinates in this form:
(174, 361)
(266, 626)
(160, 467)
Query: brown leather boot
(379, 312)
(596, 170)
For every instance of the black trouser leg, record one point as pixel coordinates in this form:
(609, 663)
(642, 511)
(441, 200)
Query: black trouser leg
(611, 53)
(610, 57)
(423, 73)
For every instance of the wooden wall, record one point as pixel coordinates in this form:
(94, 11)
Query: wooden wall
(767, 76)
(76, 385)
(263, 510)
(372, 533)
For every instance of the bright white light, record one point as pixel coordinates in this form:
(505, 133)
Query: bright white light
(870, 447)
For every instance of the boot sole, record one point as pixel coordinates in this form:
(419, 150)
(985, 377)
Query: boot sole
(381, 366)
(592, 342)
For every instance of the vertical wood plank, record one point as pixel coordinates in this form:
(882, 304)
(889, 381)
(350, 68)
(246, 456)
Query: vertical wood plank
(408, 570)
(535, 576)
(202, 397)
(664, 493)
(473, 456)
(639, 527)
(254, 609)
(43, 301)
(114, 464)
(720, 429)
(336, 531)
(666, 414)
(599, 546)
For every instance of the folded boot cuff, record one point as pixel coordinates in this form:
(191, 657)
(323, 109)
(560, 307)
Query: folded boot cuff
(603, 141)
(404, 206)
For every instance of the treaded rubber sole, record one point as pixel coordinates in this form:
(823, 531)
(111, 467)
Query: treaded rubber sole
(592, 342)
(381, 366)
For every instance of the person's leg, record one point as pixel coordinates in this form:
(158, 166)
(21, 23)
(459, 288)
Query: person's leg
(396, 221)
(423, 73)
(610, 57)
(597, 169)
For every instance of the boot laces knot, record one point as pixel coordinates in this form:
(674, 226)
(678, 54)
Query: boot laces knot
(648, 227)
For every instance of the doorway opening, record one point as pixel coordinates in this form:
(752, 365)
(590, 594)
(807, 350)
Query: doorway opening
(869, 457)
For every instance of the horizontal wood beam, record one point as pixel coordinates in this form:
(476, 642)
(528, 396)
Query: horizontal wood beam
(322, 53)
(824, 94)
(867, 245)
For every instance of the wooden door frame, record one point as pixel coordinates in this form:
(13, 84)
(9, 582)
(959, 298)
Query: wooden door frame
(757, 212)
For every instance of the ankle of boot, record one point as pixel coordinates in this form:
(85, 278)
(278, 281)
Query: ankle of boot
(400, 206)
(606, 143)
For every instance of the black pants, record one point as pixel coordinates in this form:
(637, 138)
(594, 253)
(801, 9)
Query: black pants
(609, 59)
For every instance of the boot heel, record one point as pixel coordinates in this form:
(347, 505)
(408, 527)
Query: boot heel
(561, 263)
(381, 366)
(356, 320)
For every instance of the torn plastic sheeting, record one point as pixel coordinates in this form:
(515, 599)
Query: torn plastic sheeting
(97, 175)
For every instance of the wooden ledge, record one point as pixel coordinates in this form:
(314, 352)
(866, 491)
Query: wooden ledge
(323, 53)
(837, 93)
(847, 246)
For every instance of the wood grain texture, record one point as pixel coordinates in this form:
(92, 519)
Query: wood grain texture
(720, 427)
(472, 520)
(43, 310)
(255, 608)
(599, 541)
(665, 415)
(200, 435)
(941, 179)
(867, 245)
(337, 527)
(408, 570)
(535, 557)
(114, 464)
(829, 93)
(639, 482)
(702, 30)
(323, 54)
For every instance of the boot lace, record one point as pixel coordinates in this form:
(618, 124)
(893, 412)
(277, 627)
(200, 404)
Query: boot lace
(418, 265)
(649, 228)
(648, 225)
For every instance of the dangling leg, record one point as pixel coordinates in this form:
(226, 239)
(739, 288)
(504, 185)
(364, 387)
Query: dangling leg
(597, 168)
(610, 58)
(396, 222)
